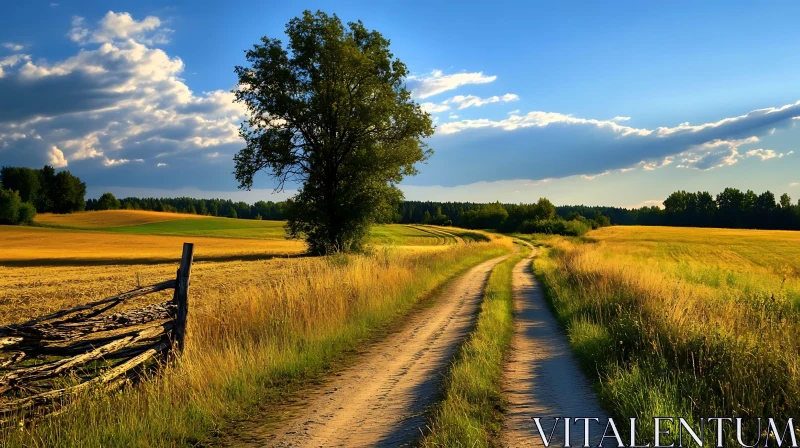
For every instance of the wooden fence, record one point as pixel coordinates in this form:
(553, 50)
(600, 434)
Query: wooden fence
(51, 358)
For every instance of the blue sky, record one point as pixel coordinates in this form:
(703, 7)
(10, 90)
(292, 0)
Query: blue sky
(596, 103)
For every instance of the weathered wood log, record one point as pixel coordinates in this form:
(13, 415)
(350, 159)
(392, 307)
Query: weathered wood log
(61, 332)
(56, 368)
(83, 345)
(15, 358)
(169, 284)
(102, 380)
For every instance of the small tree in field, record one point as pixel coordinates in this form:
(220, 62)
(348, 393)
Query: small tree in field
(332, 113)
(108, 202)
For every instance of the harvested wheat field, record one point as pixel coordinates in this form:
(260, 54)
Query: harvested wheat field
(31, 246)
(110, 218)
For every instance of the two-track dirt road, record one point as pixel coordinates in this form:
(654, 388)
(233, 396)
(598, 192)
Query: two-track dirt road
(542, 377)
(382, 399)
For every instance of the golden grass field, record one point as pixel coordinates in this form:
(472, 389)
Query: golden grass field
(682, 321)
(258, 323)
(110, 218)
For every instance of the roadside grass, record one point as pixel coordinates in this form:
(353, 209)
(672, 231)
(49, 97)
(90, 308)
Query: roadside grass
(470, 413)
(682, 322)
(255, 336)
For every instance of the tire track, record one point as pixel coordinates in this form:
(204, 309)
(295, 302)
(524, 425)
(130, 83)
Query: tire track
(383, 399)
(542, 376)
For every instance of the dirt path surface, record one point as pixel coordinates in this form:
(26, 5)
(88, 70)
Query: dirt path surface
(382, 399)
(542, 377)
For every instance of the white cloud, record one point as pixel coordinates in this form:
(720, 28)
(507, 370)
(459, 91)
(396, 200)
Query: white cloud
(794, 184)
(436, 82)
(433, 108)
(464, 102)
(618, 118)
(118, 102)
(766, 154)
(453, 117)
(78, 33)
(159, 165)
(56, 158)
(13, 46)
(536, 119)
(119, 27)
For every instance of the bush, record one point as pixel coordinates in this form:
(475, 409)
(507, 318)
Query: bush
(26, 213)
(9, 207)
(555, 227)
(13, 210)
(107, 202)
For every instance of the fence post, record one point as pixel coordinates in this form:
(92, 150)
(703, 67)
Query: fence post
(182, 295)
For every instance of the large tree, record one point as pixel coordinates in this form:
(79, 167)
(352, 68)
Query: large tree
(331, 113)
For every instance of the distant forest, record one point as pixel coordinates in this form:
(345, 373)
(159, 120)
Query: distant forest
(26, 191)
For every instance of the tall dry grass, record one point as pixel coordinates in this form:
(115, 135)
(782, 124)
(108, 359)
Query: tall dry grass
(251, 341)
(712, 332)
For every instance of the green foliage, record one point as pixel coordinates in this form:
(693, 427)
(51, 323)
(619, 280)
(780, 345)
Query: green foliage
(258, 217)
(232, 213)
(13, 210)
(108, 202)
(9, 206)
(330, 112)
(556, 226)
(48, 191)
(26, 213)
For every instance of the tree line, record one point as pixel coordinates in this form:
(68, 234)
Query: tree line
(26, 191)
(212, 207)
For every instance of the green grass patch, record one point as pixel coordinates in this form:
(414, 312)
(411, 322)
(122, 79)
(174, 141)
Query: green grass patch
(470, 414)
(209, 227)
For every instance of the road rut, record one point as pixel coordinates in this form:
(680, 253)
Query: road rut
(382, 399)
(542, 377)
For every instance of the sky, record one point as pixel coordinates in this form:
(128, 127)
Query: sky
(614, 103)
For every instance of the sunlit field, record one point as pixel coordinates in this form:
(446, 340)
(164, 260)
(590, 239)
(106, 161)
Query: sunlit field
(262, 319)
(682, 321)
(109, 218)
(32, 246)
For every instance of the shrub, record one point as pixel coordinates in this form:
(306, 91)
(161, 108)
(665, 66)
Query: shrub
(107, 202)
(555, 226)
(26, 213)
(9, 206)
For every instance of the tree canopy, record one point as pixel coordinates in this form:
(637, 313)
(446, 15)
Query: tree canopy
(330, 112)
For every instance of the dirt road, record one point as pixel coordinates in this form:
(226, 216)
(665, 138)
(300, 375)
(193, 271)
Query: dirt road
(381, 400)
(542, 377)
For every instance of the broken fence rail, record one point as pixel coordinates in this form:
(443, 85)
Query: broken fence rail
(95, 349)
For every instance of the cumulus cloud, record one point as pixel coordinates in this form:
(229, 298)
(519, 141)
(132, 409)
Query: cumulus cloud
(120, 26)
(117, 101)
(55, 158)
(618, 118)
(436, 82)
